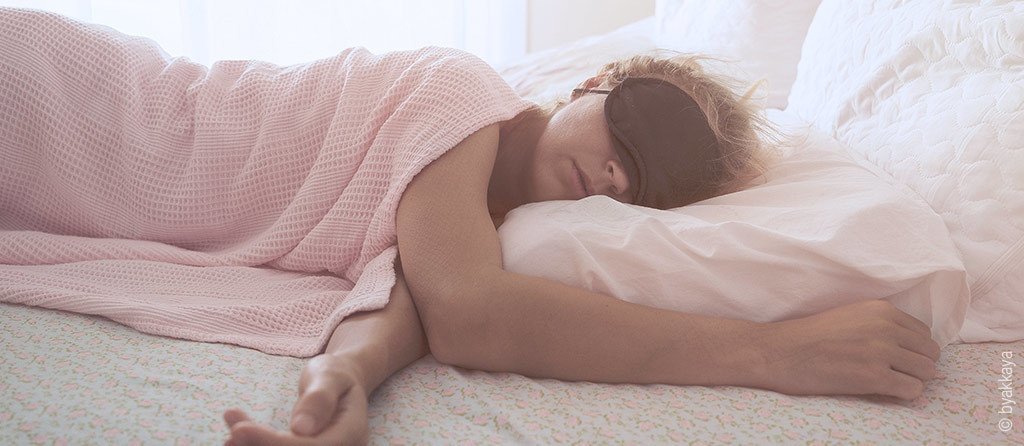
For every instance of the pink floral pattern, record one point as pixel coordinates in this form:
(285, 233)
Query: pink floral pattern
(68, 379)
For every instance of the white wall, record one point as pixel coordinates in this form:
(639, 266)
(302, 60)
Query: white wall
(554, 22)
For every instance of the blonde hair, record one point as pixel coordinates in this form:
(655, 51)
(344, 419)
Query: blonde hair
(746, 140)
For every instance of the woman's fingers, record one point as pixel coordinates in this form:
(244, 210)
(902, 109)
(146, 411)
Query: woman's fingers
(916, 343)
(313, 409)
(243, 431)
(912, 323)
(904, 386)
(319, 402)
(914, 360)
(350, 421)
(915, 335)
(868, 347)
(234, 415)
(247, 433)
(347, 426)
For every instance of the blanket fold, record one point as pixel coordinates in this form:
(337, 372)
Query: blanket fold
(245, 202)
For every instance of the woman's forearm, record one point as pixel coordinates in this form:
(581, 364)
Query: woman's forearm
(384, 341)
(544, 329)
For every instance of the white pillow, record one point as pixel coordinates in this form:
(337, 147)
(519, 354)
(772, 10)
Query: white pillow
(822, 232)
(931, 95)
(553, 73)
(762, 37)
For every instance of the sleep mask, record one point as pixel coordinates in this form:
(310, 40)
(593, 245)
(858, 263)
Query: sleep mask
(663, 139)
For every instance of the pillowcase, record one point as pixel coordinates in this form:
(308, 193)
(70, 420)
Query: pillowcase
(553, 73)
(820, 233)
(762, 38)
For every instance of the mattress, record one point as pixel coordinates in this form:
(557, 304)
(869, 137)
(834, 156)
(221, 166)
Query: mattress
(76, 379)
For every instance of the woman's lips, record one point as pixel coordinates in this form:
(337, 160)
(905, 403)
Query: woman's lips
(581, 184)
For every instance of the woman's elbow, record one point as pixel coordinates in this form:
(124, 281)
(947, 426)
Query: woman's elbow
(451, 329)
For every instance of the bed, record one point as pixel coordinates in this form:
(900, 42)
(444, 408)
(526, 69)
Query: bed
(73, 379)
(853, 72)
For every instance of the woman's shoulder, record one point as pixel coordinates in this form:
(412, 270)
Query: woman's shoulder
(450, 193)
(462, 171)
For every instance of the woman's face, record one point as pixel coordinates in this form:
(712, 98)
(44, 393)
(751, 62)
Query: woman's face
(577, 139)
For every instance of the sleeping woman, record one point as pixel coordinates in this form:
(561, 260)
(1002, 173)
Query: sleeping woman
(648, 131)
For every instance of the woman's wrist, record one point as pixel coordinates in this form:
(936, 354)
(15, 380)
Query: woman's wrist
(735, 356)
(750, 361)
(358, 365)
(379, 343)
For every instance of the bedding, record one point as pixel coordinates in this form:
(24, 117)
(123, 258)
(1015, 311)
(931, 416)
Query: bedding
(819, 232)
(245, 203)
(932, 99)
(78, 379)
(71, 378)
(550, 74)
(761, 39)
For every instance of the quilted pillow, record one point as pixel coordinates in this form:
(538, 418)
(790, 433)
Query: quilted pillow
(761, 37)
(931, 96)
(821, 232)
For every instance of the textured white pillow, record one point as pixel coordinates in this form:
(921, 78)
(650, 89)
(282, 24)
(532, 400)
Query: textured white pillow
(822, 232)
(931, 95)
(762, 37)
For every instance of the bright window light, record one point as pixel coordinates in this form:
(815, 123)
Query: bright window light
(288, 32)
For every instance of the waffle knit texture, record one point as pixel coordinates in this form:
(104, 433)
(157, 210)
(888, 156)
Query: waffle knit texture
(244, 203)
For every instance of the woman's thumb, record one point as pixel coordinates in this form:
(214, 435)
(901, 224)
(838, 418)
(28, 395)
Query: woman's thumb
(315, 407)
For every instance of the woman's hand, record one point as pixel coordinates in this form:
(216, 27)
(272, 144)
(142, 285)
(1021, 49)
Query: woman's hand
(868, 347)
(331, 409)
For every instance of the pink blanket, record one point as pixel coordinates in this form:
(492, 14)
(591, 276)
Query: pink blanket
(244, 203)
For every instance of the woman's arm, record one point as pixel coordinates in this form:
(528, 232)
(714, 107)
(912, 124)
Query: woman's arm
(365, 349)
(545, 329)
(477, 315)
(384, 341)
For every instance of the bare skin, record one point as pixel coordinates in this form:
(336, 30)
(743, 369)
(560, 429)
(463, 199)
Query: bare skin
(334, 388)
(454, 300)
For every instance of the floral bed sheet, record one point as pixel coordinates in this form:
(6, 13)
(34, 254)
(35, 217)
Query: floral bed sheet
(75, 379)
